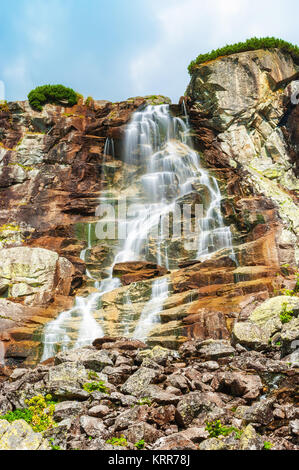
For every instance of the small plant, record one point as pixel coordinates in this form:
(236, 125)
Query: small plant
(54, 447)
(89, 101)
(144, 401)
(285, 314)
(92, 375)
(140, 444)
(118, 441)
(268, 445)
(55, 94)
(96, 387)
(216, 429)
(39, 413)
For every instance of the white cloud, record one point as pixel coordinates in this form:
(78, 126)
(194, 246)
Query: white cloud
(188, 28)
(16, 75)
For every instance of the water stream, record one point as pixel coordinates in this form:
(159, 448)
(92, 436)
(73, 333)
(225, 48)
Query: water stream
(167, 169)
(2, 354)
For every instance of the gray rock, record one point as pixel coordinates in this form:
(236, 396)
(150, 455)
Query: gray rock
(238, 384)
(191, 405)
(144, 431)
(67, 409)
(18, 435)
(93, 427)
(214, 349)
(137, 384)
(294, 427)
(90, 358)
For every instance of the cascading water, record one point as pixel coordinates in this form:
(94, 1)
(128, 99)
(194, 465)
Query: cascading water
(2, 354)
(168, 169)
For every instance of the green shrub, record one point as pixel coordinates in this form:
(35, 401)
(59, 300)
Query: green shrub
(216, 429)
(249, 45)
(96, 387)
(144, 401)
(55, 94)
(267, 445)
(140, 444)
(286, 315)
(118, 441)
(39, 413)
(92, 375)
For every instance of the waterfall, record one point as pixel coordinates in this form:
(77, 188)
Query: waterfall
(159, 148)
(150, 313)
(2, 353)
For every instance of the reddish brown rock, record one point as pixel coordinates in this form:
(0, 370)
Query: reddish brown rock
(134, 271)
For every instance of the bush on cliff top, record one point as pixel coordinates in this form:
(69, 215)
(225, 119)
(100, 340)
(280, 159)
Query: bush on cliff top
(249, 45)
(54, 94)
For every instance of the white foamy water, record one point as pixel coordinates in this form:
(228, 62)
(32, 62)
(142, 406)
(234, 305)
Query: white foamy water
(168, 167)
(2, 354)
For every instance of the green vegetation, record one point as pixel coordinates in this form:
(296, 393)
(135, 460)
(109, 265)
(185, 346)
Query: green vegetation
(216, 429)
(292, 292)
(55, 94)
(249, 45)
(140, 444)
(96, 387)
(267, 445)
(4, 107)
(118, 441)
(89, 101)
(92, 375)
(39, 413)
(144, 401)
(286, 315)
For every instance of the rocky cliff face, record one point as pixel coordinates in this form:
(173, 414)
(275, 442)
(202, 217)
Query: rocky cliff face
(230, 324)
(52, 171)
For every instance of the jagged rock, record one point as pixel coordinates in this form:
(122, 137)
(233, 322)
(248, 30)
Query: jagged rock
(28, 271)
(260, 412)
(93, 427)
(238, 384)
(142, 431)
(175, 441)
(130, 417)
(195, 434)
(158, 354)
(65, 381)
(59, 434)
(137, 384)
(99, 411)
(294, 427)
(191, 405)
(160, 396)
(67, 409)
(211, 349)
(20, 436)
(89, 358)
(264, 322)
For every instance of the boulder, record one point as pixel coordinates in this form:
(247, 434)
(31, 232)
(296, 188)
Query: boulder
(89, 358)
(18, 435)
(174, 442)
(238, 384)
(194, 403)
(264, 323)
(32, 272)
(215, 349)
(138, 383)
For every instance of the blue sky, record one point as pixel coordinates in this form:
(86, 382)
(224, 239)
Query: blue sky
(115, 49)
